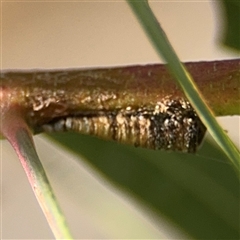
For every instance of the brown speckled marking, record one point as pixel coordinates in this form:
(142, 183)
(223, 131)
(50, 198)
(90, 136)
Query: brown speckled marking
(170, 125)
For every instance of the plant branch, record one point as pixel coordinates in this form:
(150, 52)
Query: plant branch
(14, 128)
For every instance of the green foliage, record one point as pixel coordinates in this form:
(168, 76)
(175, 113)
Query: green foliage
(196, 193)
(231, 36)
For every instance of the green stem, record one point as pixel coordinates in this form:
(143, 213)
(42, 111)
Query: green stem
(16, 131)
(165, 50)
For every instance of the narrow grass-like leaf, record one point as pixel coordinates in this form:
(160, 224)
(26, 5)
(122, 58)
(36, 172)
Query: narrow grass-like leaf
(165, 50)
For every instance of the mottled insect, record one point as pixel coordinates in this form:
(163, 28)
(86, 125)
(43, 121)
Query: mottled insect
(170, 125)
(138, 105)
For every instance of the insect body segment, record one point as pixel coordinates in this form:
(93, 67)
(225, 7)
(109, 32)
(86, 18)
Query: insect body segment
(170, 125)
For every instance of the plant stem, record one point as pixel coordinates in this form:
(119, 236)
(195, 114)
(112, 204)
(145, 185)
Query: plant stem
(165, 50)
(14, 128)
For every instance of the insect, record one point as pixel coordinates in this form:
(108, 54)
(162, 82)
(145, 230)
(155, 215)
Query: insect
(138, 105)
(172, 125)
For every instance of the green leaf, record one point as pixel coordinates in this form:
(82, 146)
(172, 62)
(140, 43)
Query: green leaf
(231, 36)
(199, 194)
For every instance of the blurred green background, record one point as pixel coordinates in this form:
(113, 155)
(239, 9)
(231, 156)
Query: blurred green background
(110, 190)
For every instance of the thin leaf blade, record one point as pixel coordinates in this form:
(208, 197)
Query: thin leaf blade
(165, 50)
